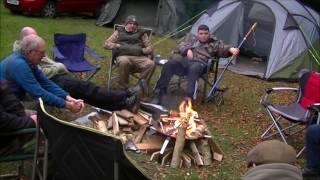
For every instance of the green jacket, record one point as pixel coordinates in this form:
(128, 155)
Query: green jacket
(274, 171)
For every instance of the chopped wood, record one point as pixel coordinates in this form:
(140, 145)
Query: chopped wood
(101, 125)
(124, 113)
(217, 156)
(115, 124)
(213, 145)
(126, 129)
(110, 122)
(144, 112)
(140, 119)
(186, 160)
(178, 147)
(122, 121)
(196, 153)
(140, 134)
(205, 151)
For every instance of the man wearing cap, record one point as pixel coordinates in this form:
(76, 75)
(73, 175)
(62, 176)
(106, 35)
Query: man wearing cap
(133, 48)
(272, 160)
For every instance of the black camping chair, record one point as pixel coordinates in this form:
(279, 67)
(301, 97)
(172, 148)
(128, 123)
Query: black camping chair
(84, 153)
(69, 49)
(21, 155)
(293, 113)
(113, 64)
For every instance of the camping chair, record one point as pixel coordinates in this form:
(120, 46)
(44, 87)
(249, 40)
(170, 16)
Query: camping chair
(22, 155)
(69, 50)
(113, 63)
(211, 72)
(83, 153)
(299, 112)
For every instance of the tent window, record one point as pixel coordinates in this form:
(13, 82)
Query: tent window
(290, 23)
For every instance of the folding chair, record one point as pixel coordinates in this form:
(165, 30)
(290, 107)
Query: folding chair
(113, 63)
(22, 155)
(83, 153)
(299, 112)
(211, 72)
(69, 50)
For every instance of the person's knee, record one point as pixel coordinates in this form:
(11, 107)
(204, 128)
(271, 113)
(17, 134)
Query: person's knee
(150, 64)
(122, 61)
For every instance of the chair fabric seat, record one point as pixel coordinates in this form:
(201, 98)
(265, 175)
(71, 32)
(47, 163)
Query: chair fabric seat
(79, 66)
(293, 112)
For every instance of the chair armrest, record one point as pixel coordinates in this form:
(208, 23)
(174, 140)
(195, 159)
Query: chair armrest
(92, 53)
(19, 132)
(263, 100)
(57, 53)
(314, 107)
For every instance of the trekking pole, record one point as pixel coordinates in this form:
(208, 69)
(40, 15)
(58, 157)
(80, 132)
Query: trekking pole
(214, 87)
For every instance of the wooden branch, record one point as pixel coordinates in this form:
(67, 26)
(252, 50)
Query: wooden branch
(140, 134)
(215, 148)
(196, 153)
(122, 121)
(178, 147)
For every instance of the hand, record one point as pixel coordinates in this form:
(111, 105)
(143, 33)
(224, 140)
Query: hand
(34, 118)
(189, 54)
(74, 105)
(234, 51)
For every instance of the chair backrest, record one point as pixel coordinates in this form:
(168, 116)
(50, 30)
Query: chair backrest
(309, 84)
(83, 153)
(71, 46)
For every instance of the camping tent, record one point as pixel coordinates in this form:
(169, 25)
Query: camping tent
(163, 16)
(278, 48)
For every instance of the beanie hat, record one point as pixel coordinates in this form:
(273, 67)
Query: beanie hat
(272, 151)
(131, 18)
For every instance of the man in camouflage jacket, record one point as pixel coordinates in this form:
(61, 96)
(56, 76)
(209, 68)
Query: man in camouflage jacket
(195, 53)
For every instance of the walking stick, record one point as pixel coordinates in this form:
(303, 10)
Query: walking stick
(214, 87)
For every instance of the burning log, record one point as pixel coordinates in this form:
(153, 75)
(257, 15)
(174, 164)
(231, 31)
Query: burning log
(178, 147)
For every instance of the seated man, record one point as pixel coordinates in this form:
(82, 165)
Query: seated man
(312, 167)
(21, 71)
(12, 118)
(86, 90)
(195, 51)
(133, 47)
(272, 160)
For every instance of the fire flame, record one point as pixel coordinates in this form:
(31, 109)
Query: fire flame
(187, 115)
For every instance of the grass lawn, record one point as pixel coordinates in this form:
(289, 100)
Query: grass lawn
(237, 124)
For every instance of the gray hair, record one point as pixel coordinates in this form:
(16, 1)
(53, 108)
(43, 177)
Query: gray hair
(29, 43)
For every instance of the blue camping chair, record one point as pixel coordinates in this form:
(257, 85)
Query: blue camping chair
(69, 50)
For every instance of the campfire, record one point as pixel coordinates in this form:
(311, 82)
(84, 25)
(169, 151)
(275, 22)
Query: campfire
(180, 135)
(185, 117)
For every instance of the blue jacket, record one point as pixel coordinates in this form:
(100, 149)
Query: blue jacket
(24, 77)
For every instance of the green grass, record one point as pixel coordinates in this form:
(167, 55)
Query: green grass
(236, 125)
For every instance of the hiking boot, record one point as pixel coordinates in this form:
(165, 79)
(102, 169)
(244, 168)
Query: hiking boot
(157, 97)
(141, 86)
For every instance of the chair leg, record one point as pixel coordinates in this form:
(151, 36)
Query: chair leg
(300, 152)
(275, 122)
(109, 76)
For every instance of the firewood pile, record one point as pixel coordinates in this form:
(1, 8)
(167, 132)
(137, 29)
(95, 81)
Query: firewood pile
(177, 138)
